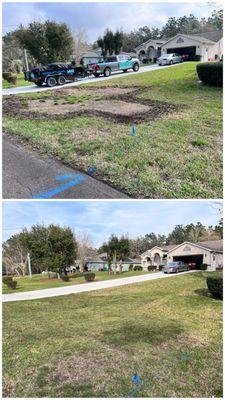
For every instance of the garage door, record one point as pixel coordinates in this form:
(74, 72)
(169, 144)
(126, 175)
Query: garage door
(188, 52)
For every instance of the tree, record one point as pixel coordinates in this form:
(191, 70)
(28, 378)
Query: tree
(118, 41)
(216, 19)
(116, 248)
(84, 248)
(12, 54)
(14, 255)
(80, 44)
(51, 248)
(219, 228)
(108, 39)
(46, 41)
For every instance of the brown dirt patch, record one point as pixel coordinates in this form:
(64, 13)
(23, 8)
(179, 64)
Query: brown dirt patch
(122, 108)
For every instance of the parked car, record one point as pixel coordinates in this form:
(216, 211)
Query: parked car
(119, 62)
(175, 266)
(54, 74)
(169, 59)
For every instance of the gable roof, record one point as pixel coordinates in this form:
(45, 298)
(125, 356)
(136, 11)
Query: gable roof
(212, 245)
(216, 245)
(214, 36)
(197, 38)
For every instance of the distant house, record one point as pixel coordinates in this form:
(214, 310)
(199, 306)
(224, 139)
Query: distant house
(99, 263)
(209, 253)
(203, 46)
(90, 57)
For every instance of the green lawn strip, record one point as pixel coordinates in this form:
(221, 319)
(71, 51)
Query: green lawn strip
(89, 345)
(20, 82)
(37, 282)
(179, 155)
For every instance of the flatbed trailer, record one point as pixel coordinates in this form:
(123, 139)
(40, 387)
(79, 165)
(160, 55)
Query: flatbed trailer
(55, 74)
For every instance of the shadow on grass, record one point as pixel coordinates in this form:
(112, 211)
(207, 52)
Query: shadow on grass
(203, 292)
(132, 332)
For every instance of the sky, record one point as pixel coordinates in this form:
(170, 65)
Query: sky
(102, 218)
(96, 17)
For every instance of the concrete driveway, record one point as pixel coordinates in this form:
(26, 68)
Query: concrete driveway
(91, 79)
(86, 287)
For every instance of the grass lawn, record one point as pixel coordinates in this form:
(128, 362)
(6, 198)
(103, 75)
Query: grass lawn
(175, 153)
(25, 284)
(20, 82)
(167, 331)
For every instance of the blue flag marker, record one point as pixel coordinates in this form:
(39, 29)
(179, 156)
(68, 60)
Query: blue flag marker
(133, 130)
(135, 379)
(70, 181)
(91, 170)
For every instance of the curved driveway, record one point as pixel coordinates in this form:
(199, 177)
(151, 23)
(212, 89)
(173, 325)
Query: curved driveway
(92, 79)
(85, 287)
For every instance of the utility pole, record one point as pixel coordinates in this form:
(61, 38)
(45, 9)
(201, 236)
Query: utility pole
(29, 265)
(26, 60)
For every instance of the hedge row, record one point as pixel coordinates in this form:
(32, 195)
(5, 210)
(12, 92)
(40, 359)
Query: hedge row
(211, 73)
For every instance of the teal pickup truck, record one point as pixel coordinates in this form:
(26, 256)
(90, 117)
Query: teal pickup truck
(121, 62)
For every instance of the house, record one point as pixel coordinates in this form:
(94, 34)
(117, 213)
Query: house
(99, 263)
(203, 46)
(90, 57)
(209, 253)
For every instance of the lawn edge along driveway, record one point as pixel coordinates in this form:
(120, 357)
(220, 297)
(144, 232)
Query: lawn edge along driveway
(84, 287)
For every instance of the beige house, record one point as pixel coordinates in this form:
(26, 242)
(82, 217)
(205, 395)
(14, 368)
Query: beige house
(204, 46)
(210, 253)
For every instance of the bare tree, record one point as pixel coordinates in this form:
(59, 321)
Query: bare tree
(85, 248)
(80, 43)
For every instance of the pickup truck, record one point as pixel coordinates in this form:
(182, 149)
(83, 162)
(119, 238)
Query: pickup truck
(119, 62)
(54, 74)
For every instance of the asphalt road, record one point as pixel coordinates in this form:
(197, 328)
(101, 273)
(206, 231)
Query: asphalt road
(91, 79)
(86, 287)
(28, 175)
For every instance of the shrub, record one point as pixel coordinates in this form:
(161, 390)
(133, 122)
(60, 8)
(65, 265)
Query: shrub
(211, 73)
(138, 268)
(131, 267)
(65, 278)
(6, 279)
(89, 276)
(203, 267)
(76, 275)
(152, 268)
(6, 75)
(215, 285)
(12, 284)
(12, 79)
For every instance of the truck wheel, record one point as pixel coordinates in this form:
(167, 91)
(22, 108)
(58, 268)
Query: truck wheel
(124, 70)
(61, 80)
(107, 72)
(96, 75)
(51, 81)
(136, 67)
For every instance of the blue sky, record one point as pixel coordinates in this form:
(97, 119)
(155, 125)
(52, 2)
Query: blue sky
(96, 17)
(101, 218)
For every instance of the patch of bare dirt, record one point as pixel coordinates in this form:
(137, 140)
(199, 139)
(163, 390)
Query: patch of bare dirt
(122, 108)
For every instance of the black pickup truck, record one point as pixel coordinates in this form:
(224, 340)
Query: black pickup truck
(55, 74)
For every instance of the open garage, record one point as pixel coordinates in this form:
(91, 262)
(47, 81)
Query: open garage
(194, 261)
(188, 52)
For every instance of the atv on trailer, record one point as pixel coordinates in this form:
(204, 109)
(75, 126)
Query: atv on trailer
(55, 74)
